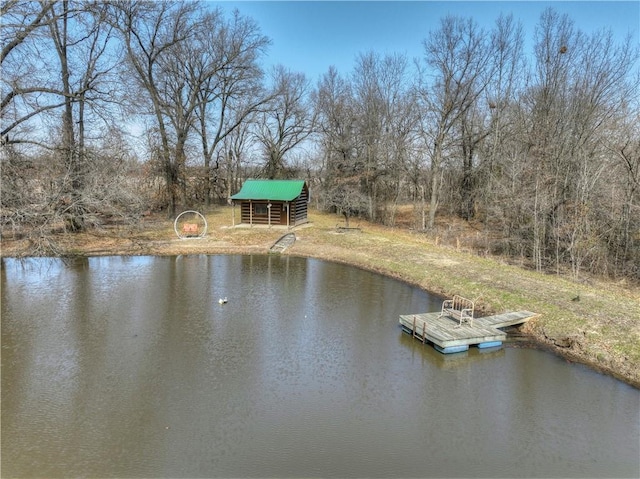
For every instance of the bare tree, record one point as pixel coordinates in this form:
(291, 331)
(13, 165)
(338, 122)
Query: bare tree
(624, 144)
(153, 34)
(236, 156)
(336, 136)
(500, 167)
(223, 62)
(79, 34)
(488, 124)
(54, 74)
(457, 55)
(581, 85)
(384, 107)
(287, 120)
(24, 24)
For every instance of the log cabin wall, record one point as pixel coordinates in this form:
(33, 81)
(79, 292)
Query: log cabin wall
(257, 212)
(299, 208)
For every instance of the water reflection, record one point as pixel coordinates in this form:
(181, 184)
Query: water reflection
(129, 367)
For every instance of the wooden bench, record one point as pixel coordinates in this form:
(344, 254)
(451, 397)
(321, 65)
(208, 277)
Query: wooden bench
(458, 308)
(190, 228)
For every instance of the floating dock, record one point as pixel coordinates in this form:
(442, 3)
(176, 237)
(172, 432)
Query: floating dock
(447, 336)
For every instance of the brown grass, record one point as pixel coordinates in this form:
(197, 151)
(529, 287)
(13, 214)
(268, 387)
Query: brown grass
(601, 329)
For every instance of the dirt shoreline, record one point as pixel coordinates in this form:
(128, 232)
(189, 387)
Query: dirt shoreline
(574, 330)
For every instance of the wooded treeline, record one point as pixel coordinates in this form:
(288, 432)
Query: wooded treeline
(111, 109)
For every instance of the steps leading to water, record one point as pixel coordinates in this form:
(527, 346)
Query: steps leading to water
(283, 243)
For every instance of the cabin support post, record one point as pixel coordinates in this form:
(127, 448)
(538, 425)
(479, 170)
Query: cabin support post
(250, 213)
(287, 210)
(233, 213)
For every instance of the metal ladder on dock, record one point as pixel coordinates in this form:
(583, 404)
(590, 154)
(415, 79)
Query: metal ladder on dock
(415, 334)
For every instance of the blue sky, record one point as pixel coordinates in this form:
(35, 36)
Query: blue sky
(309, 36)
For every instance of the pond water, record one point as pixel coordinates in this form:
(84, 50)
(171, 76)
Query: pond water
(130, 367)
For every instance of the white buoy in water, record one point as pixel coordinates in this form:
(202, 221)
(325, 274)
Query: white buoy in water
(222, 300)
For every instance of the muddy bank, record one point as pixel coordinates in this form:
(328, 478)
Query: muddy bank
(600, 330)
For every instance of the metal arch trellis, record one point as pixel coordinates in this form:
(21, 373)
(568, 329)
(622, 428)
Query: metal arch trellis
(188, 231)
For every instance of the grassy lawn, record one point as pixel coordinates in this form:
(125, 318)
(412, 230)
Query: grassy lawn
(594, 322)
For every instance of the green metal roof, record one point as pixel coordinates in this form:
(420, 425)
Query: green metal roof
(277, 190)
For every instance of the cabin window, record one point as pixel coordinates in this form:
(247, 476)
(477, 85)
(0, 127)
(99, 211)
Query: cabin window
(260, 209)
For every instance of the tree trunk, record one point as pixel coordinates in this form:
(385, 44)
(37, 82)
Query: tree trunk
(436, 166)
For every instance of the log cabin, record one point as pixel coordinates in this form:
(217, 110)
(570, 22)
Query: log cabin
(272, 202)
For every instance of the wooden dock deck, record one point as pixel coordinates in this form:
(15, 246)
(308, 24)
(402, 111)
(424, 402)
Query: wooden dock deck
(449, 337)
